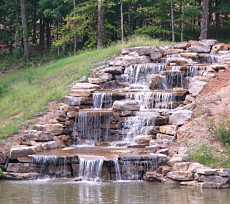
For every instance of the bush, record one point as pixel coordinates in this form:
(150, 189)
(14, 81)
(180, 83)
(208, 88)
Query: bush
(1, 173)
(203, 154)
(222, 132)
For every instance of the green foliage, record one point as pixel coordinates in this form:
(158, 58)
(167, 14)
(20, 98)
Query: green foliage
(221, 131)
(203, 154)
(3, 89)
(1, 173)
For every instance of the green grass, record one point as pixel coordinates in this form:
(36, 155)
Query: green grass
(203, 154)
(27, 91)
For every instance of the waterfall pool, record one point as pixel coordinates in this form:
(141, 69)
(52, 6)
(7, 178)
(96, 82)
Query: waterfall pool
(66, 191)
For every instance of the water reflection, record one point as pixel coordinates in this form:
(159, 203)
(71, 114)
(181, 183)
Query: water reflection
(68, 192)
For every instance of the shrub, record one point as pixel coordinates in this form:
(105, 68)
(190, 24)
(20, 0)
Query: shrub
(1, 173)
(203, 154)
(222, 132)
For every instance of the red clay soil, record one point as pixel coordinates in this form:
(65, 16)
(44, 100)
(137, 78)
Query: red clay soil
(212, 106)
(220, 81)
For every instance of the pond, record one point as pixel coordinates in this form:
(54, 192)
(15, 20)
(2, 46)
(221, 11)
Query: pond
(70, 192)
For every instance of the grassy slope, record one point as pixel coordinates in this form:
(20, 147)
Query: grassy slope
(25, 92)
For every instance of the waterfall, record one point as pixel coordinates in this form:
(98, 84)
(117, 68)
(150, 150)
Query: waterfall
(102, 100)
(174, 79)
(51, 165)
(192, 71)
(90, 169)
(135, 170)
(117, 169)
(138, 74)
(151, 100)
(137, 125)
(92, 126)
(46, 160)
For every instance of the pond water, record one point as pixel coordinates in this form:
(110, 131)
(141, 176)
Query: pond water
(68, 192)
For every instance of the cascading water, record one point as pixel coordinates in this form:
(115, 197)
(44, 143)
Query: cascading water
(117, 169)
(102, 100)
(135, 170)
(138, 74)
(51, 165)
(151, 100)
(90, 169)
(92, 126)
(137, 125)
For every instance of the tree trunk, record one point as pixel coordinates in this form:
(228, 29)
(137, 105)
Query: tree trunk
(122, 23)
(182, 21)
(172, 21)
(25, 30)
(42, 32)
(75, 38)
(34, 36)
(204, 19)
(100, 24)
(48, 35)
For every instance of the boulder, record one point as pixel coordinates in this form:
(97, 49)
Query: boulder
(209, 42)
(155, 81)
(182, 45)
(181, 166)
(199, 47)
(219, 180)
(81, 92)
(21, 168)
(55, 129)
(180, 175)
(182, 61)
(85, 86)
(206, 171)
(101, 78)
(72, 100)
(114, 70)
(218, 67)
(192, 55)
(224, 172)
(180, 117)
(156, 56)
(153, 148)
(2, 158)
(21, 151)
(20, 176)
(153, 176)
(142, 139)
(163, 151)
(126, 105)
(196, 86)
(130, 59)
(168, 129)
(161, 136)
(161, 120)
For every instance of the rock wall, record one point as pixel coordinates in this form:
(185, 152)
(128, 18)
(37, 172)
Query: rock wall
(137, 100)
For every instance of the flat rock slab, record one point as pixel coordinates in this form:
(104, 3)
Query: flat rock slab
(180, 175)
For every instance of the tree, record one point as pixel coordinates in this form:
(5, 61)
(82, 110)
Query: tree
(122, 21)
(25, 30)
(172, 20)
(100, 24)
(204, 20)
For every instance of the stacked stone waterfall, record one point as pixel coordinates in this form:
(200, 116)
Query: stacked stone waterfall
(134, 104)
